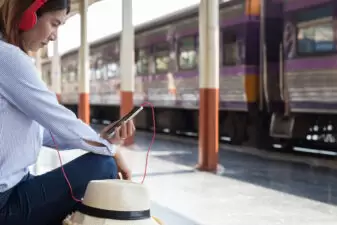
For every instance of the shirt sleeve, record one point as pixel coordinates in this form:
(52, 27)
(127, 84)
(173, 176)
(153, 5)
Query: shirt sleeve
(60, 143)
(21, 86)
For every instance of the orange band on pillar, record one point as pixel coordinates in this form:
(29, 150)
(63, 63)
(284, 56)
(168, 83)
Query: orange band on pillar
(126, 107)
(208, 129)
(84, 108)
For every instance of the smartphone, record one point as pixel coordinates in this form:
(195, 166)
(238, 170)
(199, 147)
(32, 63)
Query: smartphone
(125, 118)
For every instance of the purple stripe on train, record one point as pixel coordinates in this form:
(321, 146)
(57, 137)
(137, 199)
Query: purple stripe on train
(315, 63)
(299, 4)
(234, 105)
(314, 105)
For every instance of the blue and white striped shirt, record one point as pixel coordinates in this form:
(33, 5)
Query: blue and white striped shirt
(28, 111)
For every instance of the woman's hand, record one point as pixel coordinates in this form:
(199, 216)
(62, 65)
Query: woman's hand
(123, 169)
(121, 133)
(126, 130)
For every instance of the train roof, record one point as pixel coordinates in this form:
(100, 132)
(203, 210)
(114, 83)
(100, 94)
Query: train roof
(173, 17)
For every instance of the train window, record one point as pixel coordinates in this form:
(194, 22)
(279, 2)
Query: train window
(142, 61)
(187, 53)
(64, 79)
(92, 73)
(64, 73)
(197, 50)
(318, 38)
(98, 75)
(92, 69)
(315, 31)
(229, 49)
(162, 57)
(113, 69)
(71, 74)
(99, 72)
(76, 72)
(104, 71)
(162, 64)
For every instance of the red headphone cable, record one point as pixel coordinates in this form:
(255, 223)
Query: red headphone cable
(147, 154)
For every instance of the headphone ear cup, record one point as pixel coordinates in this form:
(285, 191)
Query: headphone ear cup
(28, 21)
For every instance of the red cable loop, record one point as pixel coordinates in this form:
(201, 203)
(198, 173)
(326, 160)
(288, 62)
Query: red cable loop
(147, 154)
(153, 137)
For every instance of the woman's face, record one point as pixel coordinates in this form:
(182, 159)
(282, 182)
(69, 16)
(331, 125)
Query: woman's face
(44, 31)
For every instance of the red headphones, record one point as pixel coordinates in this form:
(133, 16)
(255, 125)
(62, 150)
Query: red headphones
(29, 17)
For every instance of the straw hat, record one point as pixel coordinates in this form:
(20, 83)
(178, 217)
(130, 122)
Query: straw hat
(114, 202)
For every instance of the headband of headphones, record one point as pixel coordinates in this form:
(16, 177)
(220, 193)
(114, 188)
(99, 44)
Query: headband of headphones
(29, 17)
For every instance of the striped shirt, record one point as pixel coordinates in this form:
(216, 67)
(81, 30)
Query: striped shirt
(28, 111)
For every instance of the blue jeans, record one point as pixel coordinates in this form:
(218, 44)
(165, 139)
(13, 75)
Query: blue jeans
(46, 199)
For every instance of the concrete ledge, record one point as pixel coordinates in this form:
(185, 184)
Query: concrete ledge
(281, 156)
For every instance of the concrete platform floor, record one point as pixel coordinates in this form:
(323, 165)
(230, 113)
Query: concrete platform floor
(250, 190)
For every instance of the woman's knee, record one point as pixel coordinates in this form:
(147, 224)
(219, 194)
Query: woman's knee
(103, 167)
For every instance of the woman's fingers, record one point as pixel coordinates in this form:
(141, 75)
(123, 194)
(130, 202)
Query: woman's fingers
(131, 128)
(117, 134)
(124, 131)
(127, 130)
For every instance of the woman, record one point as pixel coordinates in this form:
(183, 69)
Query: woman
(30, 116)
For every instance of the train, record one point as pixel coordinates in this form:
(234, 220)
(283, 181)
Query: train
(277, 81)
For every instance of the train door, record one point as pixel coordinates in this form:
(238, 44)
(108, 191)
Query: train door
(272, 83)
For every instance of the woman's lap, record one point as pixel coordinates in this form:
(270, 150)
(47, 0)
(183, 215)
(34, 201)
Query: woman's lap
(46, 199)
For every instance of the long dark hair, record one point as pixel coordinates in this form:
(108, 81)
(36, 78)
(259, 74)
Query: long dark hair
(54, 5)
(11, 12)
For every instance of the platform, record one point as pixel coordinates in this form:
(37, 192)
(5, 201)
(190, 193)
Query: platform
(249, 190)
